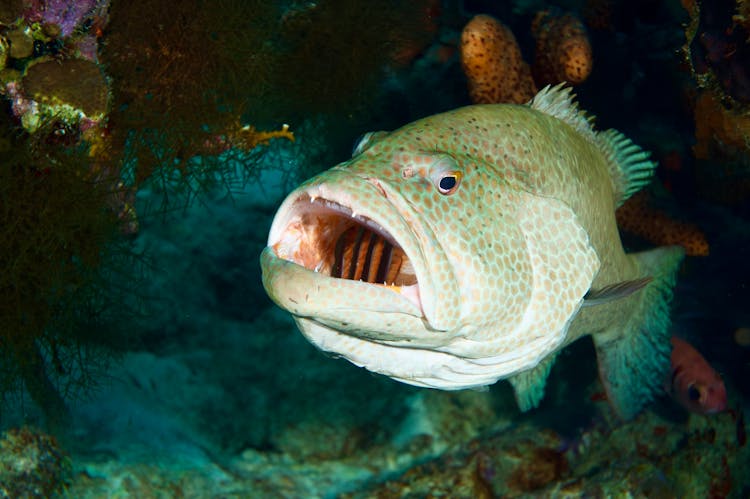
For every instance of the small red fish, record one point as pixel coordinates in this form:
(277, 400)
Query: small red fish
(693, 382)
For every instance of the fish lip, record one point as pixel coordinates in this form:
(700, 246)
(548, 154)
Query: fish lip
(328, 199)
(337, 207)
(290, 285)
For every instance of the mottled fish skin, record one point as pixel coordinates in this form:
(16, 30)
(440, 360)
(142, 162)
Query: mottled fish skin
(503, 259)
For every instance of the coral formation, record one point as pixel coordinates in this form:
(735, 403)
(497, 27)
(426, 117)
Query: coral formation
(219, 361)
(493, 64)
(70, 90)
(10, 10)
(722, 134)
(181, 79)
(180, 86)
(57, 235)
(63, 14)
(719, 130)
(563, 51)
(649, 457)
(637, 216)
(75, 82)
(32, 465)
(717, 52)
(113, 97)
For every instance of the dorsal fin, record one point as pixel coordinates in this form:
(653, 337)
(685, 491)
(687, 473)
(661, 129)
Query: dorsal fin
(559, 101)
(630, 166)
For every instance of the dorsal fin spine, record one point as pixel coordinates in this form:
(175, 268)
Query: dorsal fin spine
(559, 101)
(630, 167)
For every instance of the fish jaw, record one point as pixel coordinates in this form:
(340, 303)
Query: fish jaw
(298, 263)
(424, 367)
(714, 399)
(343, 304)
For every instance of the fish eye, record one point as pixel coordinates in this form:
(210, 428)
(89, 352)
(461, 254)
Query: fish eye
(445, 174)
(693, 393)
(448, 183)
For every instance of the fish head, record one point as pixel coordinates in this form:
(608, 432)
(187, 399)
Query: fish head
(706, 396)
(413, 260)
(408, 213)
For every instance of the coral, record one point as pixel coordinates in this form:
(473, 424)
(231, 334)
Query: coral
(74, 82)
(513, 463)
(245, 138)
(10, 10)
(563, 51)
(32, 465)
(21, 43)
(66, 15)
(637, 216)
(742, 15)
(493, 64)
(494, 67)
(717, 50)
(719, 130)
(180, 79)
(57, 242)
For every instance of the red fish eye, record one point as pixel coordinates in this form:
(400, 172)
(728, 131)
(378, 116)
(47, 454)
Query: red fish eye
(693, 393)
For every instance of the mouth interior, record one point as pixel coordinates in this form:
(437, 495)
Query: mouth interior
(327, 237)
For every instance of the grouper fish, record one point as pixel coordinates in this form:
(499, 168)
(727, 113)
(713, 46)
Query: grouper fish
(471, 246)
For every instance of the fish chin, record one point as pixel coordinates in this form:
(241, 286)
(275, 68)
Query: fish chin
(403, 361)
(331, 239)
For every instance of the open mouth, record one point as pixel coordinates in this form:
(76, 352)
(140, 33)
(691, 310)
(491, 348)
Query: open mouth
(327, 237)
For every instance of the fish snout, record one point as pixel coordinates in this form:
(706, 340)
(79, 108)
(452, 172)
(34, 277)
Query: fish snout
(714, 398)
(706, 397)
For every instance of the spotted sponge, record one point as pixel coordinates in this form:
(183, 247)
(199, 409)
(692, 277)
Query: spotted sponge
(639, 218)
(563, 51)
(493, 64)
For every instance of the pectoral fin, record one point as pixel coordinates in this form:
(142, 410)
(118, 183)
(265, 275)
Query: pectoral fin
(615, 291)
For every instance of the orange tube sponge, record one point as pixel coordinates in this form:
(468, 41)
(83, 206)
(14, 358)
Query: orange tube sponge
(638, 217)
(563, 51)
(492, 62)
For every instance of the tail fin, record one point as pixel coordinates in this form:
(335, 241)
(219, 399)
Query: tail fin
(634, 359)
